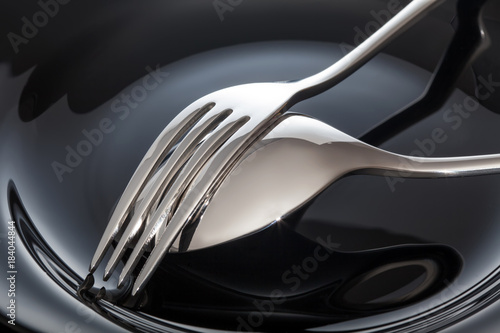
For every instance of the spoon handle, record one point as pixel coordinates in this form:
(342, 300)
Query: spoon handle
(402, 166)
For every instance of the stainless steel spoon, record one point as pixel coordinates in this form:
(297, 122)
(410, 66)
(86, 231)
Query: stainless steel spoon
(296, 161)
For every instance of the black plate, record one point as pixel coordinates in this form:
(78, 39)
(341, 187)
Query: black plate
(87, 87)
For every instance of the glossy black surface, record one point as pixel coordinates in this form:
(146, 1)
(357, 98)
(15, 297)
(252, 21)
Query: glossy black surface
(66, 85)
(470, 40)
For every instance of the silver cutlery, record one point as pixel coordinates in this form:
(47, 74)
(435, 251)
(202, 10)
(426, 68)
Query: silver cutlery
(204, 142)
(293, 163)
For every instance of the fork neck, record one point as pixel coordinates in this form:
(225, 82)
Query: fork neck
(351, 62)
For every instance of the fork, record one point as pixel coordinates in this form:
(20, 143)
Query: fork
(203, 143)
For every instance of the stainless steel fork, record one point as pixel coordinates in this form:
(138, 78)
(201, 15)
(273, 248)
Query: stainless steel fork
(208, 137)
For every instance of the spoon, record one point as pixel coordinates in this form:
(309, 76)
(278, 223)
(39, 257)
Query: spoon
(292, 164)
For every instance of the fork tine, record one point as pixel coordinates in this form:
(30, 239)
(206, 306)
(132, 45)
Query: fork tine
(156, 153)
(221, 161)
(189, 172)
(164, 177)
(171, 232)
(130, 231)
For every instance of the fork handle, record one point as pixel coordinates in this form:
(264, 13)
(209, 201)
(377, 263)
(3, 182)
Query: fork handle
(351, 62)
